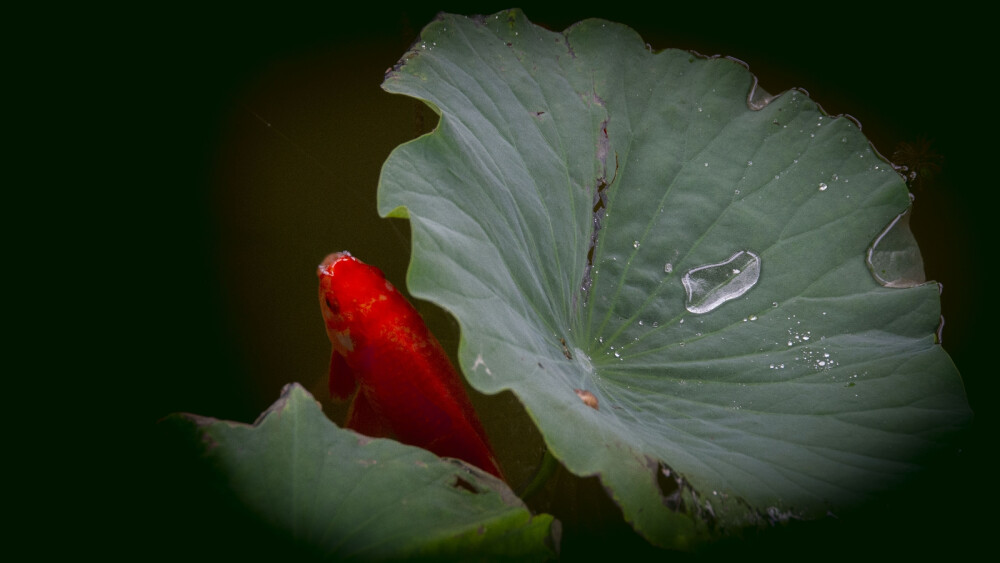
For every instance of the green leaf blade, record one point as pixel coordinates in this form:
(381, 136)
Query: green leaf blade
(347, 496)
(810, 392)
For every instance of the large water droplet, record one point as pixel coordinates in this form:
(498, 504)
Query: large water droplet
(713, 284)
(894, 258)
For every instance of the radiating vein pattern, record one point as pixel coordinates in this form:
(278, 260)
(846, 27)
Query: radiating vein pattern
(730, 328)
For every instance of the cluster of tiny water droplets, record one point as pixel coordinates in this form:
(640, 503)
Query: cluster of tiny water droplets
(817, 359)
(616, 353)
(796, 336)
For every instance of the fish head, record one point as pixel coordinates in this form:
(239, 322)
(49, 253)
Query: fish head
(351, 294)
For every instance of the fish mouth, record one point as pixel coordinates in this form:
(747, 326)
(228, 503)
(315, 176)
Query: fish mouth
(330, 260)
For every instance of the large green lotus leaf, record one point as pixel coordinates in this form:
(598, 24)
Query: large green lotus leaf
(352, 497)
(788, 383)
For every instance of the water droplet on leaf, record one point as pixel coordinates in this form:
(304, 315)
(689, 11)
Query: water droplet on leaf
(894, 258)
(711, 285)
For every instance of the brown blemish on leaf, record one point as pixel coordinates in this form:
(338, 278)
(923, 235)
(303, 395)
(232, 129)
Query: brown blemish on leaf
(600, 203)
(670, 485)
(465, 485)
(587, 397)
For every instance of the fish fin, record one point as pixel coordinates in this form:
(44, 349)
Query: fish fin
(342, 380)
(362, 418)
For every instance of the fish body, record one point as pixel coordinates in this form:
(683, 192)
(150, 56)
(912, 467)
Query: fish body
(402, 382)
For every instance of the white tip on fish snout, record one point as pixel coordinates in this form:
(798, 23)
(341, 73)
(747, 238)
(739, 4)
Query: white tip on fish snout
(330, 260)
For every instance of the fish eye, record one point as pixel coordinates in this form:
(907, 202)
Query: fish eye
(332, 305)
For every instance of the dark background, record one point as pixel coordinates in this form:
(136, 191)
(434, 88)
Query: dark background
(251, 147)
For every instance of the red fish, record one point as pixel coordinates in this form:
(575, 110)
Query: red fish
(403, 384)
